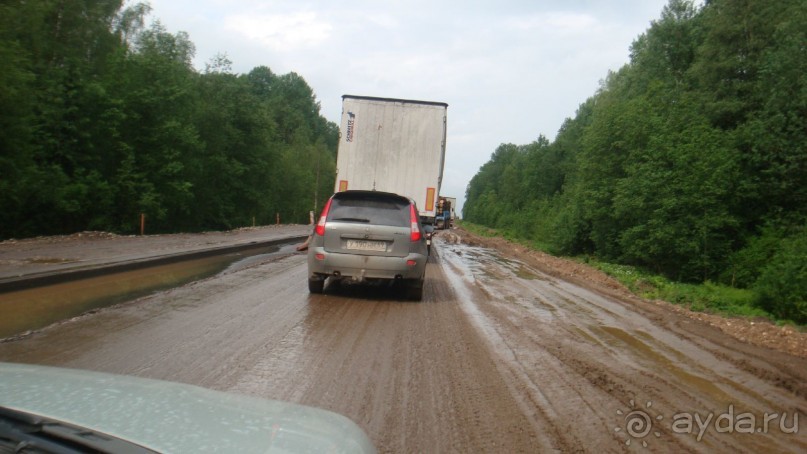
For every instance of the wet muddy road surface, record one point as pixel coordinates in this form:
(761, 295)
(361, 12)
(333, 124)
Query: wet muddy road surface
(498, 357)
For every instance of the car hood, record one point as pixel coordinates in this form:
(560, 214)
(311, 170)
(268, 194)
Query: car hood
(173, 417)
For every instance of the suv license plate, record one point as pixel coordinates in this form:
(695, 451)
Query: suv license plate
(363, 245)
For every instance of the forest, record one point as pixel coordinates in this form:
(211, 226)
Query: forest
(690, 161)
(104, 118)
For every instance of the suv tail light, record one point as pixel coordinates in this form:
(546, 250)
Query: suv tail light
(320, 229)
(414, 230)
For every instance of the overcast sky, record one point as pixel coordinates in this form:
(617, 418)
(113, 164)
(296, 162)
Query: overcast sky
(509, 70)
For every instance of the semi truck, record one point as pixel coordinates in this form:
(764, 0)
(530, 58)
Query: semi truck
(393, 145)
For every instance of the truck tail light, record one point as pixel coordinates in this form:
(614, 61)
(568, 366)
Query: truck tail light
(320, 229)
(414, 231)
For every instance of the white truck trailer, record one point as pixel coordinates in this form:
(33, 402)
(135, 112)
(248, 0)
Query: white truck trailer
(393, 145)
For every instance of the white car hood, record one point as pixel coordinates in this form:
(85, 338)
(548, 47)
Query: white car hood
(173, 417)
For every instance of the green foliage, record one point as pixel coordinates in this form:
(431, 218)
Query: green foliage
(104, 118)
(782, 285)
(705, 297)
(690, 161)
(746, 264)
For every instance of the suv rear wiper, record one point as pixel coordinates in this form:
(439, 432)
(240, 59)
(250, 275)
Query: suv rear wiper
(352, 219)
(20, 430)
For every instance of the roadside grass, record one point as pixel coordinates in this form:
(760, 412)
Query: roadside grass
(707, 297)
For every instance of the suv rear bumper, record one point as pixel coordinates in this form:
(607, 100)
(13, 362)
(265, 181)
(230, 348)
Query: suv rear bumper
(360, 267)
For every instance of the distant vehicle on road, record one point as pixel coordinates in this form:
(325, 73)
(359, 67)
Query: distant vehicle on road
(369, 236)
(48, 409)
(445, 212)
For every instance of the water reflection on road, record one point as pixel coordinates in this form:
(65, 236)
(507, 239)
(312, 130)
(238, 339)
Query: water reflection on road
(30, 309)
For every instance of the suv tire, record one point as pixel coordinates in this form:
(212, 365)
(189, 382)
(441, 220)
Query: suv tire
(414, 291)
(316, 285)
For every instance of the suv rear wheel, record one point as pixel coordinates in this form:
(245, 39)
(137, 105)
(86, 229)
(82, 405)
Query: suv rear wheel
(415, 290)
(316, 285)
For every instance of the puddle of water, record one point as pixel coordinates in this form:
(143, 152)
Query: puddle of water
(543, 314)
(502, 261)
(49, 260)
(487, 266)
(524, 273)
(35, 308)
(586, 336)
(741, 389)
(462, 281)
(701, 384)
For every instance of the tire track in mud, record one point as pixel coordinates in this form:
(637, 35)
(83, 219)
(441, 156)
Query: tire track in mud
(415, 376)
(585, 355)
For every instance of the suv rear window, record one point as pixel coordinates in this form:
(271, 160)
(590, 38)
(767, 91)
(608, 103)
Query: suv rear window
(370, 209)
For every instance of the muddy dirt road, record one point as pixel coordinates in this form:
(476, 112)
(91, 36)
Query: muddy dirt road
(499, 357)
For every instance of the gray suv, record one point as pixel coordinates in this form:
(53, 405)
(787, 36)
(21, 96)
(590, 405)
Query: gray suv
(369, 236)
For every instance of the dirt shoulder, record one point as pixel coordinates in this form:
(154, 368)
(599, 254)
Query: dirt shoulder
(54, 254)
(757, 332)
